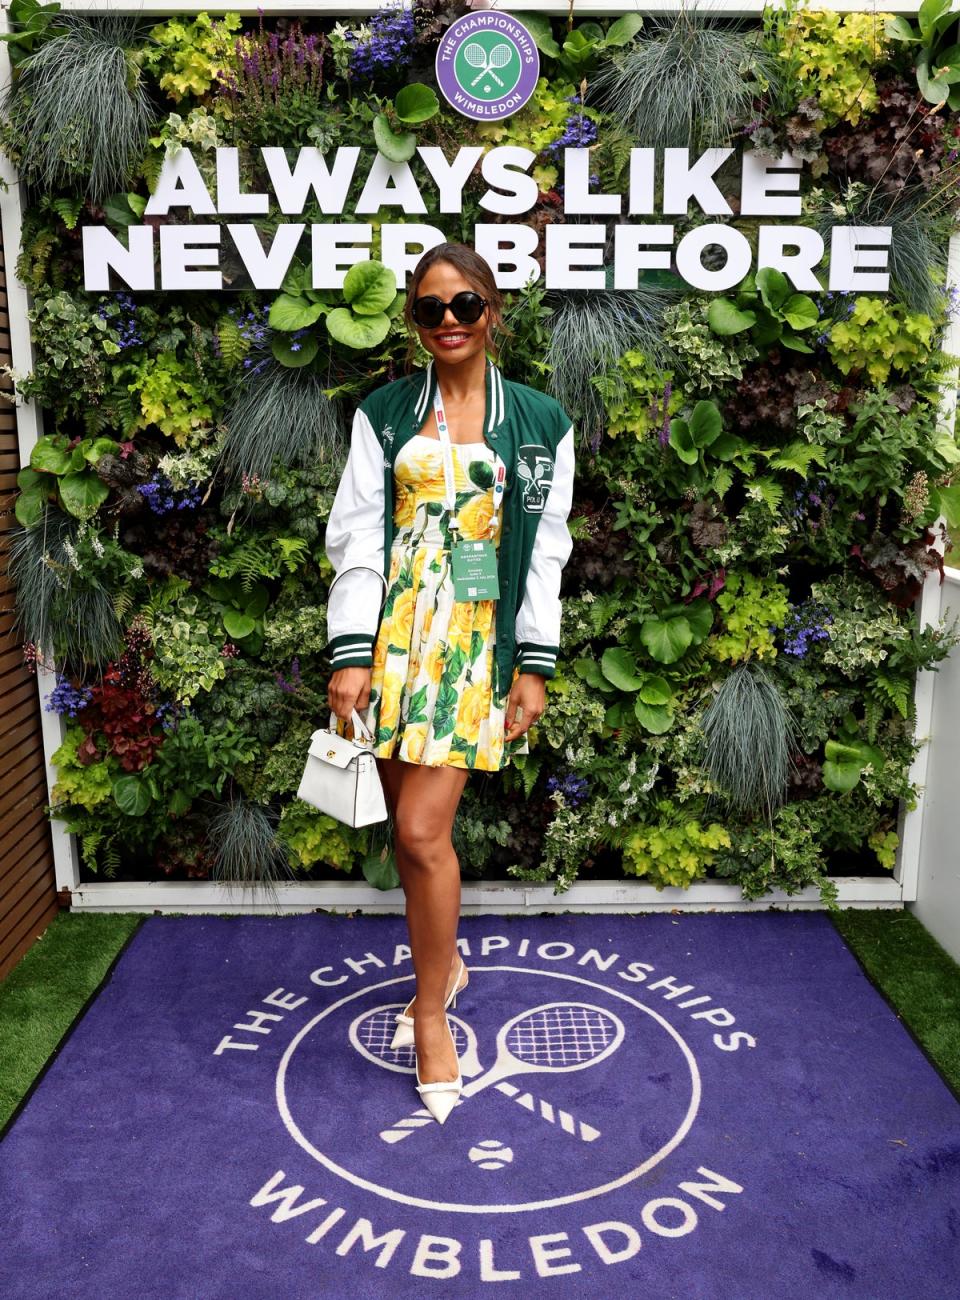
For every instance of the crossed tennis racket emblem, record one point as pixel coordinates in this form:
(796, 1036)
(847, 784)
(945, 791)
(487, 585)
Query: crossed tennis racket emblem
(498, 57)
(553, 1038)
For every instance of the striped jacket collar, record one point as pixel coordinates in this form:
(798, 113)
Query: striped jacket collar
(497, 399)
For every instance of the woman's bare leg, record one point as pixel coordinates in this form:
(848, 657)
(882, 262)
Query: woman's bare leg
(424, 801)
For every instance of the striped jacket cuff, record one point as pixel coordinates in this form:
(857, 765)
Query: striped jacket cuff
(351, 650)
(533, 658)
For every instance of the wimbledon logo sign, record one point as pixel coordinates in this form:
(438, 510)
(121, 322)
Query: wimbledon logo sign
(487, 66)
(582, 1077)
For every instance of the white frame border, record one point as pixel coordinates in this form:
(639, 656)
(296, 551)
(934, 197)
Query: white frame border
(477, 897)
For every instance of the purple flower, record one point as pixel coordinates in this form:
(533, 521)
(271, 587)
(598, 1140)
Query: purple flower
(67, 698)
(574, 789)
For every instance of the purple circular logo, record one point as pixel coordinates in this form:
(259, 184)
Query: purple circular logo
(487, 65)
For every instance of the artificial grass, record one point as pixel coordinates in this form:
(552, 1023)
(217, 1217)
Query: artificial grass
(50, 986)
(918, 977)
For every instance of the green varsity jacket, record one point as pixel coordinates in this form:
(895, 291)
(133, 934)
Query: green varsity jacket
(534, 437)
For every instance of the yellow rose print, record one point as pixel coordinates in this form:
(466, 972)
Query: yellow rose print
(401, 627)
(390, 699)
(474, 707)
(427, 627)
(475, 517)
(414, 739)
(405, 510)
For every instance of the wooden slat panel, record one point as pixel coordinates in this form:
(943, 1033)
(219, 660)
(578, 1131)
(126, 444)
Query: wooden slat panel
(33, 927)
(28, 897)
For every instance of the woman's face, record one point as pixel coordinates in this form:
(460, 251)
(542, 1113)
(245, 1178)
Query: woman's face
(451, 341)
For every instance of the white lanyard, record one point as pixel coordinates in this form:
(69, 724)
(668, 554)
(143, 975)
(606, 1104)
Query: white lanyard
(449, 481)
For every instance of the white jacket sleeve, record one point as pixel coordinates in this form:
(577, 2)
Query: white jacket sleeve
(537, 627)
(355, 536)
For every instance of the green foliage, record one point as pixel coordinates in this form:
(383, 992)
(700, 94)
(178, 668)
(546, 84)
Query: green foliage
(72, 346)
(675, 848)
(687, 83)
(846, 757)
(31, 24)
(765, 305)
(312, 837)
(786, 854)
(707, 363)
(172, 397)
(937, 54)
(187, 640)
(185, 56)
(77, 113)
(639, 386)
(748, 734)
(879, 337)
(358, 317)
(79, 782)
(753, 609)
(832, 57)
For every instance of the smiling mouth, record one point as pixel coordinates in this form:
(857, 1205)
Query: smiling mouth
(451, 338)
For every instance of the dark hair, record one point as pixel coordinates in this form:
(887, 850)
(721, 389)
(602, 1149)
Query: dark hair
(476, 270)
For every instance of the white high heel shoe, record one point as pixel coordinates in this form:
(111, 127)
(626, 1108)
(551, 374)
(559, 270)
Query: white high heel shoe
(403, 1035)
(440, 1097)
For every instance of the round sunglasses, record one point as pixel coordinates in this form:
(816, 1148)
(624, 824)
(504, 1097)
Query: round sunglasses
(466, 306)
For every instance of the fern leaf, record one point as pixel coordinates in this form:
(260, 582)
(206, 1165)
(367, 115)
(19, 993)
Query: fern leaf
(767, 490)
(68, 210)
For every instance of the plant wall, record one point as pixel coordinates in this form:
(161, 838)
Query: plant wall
(760, 472)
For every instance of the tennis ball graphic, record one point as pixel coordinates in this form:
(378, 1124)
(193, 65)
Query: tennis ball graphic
(490, 1154)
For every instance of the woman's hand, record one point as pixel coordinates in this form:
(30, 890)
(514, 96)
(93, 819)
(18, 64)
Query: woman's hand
(529, 692)
(349, 688)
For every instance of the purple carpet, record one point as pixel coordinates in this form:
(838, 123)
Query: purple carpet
(717, 1106)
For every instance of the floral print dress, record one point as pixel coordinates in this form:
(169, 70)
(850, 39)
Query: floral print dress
(431, 688)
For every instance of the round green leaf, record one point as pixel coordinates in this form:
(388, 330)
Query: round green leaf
(840, 777)
(357, 331)
(29, 507)
(656, 690)
(380, 870)
(294, 352)
(774, 287)
(620, 667)
(666, 640)
(681, 440)
(705, 423)
(724, 317)
(238, 625)
(416, 103)
(369, 287)
(49, 458)
(800, 312)
(398, 148)
(132, 795)
(287, 313)
(653, 718)
(82, 494)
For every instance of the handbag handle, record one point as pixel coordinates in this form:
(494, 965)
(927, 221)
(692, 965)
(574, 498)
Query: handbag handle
(359, 726)
(349, 568)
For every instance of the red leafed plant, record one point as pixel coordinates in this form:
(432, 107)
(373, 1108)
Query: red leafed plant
(122, 714)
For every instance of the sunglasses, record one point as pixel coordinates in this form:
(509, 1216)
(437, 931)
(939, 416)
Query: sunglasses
(429, 311)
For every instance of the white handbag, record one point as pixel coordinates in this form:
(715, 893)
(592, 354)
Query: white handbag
(341, 777)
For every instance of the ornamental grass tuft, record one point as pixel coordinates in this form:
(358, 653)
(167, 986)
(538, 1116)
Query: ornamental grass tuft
(279, 413)
(686, 82)
(63, 611)
(246, 851)
(78, 108)
(589, 334)
(747, 733)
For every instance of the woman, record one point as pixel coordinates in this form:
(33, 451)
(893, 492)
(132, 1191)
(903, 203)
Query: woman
(451, 672)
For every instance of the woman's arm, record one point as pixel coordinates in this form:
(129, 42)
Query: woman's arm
(538, 619)
(354, 536)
